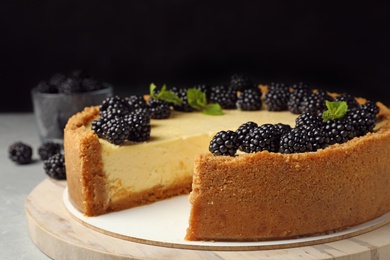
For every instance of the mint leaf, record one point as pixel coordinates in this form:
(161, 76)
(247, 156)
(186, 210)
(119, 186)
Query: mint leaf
(169, 97)
(336, 110)
(164, 95)
(152, 88)
(196, 98)
(212, 109)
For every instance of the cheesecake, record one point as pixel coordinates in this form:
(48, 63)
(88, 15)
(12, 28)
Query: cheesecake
(244, 197)
(103, 177)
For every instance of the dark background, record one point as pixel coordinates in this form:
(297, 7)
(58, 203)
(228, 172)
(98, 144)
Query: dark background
(336, 46)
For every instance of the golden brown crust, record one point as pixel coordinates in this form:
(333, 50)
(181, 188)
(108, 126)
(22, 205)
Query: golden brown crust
(151, 195)
(265, 196)
(84, 166)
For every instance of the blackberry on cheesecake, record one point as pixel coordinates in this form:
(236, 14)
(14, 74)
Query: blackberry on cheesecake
(277, 97)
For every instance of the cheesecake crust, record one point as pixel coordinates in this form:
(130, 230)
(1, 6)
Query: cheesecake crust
(267, 196)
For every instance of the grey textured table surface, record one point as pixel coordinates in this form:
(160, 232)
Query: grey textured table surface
(17, 181)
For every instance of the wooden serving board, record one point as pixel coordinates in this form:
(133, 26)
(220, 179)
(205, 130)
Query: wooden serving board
(60, 235)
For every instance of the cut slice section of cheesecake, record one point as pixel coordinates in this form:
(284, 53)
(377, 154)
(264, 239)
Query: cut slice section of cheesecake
(103, 177)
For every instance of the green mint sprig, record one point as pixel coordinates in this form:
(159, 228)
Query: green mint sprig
(164, 95)
(197, 100)
(336, 110)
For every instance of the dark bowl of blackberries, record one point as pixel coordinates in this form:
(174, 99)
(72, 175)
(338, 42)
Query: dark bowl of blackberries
(55, 100)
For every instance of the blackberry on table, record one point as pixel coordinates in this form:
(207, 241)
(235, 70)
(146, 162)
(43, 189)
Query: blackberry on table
(262, 138)
(54, 167)
(49, 149)
(299, 92)
(242, 131)
(226, 97)
(249, 99)
(277, 97)
(239, 82)
(159, 109)
(224, 143)
(20, 153)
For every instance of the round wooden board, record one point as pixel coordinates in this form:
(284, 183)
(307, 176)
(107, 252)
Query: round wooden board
(60, 236)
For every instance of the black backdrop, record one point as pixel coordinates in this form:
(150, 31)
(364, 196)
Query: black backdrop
(336, 46)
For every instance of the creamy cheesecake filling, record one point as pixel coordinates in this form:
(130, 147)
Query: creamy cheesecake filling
(168, 157)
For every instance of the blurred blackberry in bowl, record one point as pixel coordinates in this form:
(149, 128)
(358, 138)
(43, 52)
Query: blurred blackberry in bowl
(61, 96)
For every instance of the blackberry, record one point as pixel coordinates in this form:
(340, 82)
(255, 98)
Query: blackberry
(98, 126)
(351, 101)
(114, 106)
(283, 128)
(239, 82)
(276, 97)
(56, 79)
(299, 92)
(116, 131)
(80, 74)
(20, 153)
(44, 87)
(370, 107)
(243, 131)
(139, 127)
(54, 167)
(182, 94)
(89, 84)
(159, 109)
(249, 99)
(308, 119)
(314, 102)
(303, 139)
(363, 120)
(142, 111)
(339, 130)
(49, 149)
(135, 102)
(262, 138)
(224, 143)
(70, 85)
(226, 97)
(205, 89)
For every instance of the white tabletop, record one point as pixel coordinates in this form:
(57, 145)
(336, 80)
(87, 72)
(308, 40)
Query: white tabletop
(17, 181)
